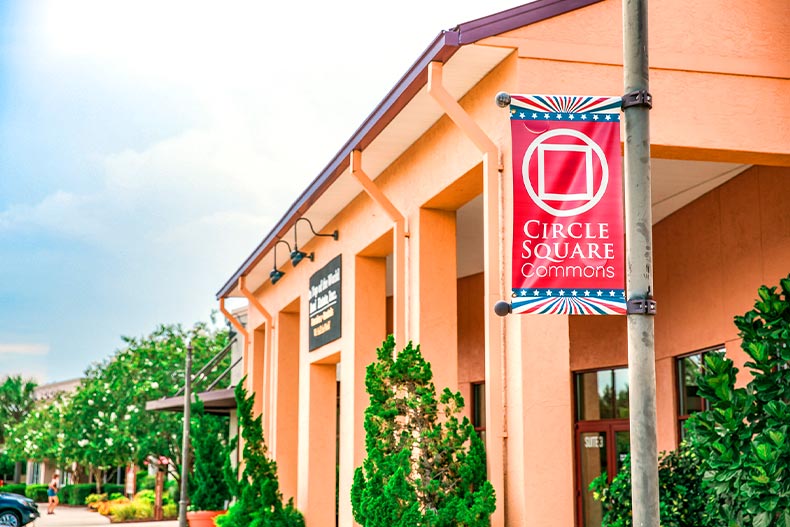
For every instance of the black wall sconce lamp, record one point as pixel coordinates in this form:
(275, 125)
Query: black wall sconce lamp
(297, 255)
(275, 273)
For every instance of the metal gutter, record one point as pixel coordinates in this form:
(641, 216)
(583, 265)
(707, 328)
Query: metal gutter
(498, 23)
(443, 47)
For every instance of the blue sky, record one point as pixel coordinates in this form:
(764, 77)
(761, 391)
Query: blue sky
(146, 147)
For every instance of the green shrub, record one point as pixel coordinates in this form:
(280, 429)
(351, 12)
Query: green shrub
(146, 495)
(682, 497)
(133, 510)
(259, 501)
(76, 494)
(64, 493)
(95, 501)
(37, 493)
(172, 492)
(742, 439)
(114, 488)
(170, 510)
(210, 442)
(93, 498)
(149, 496)
(445, 485)
(104, 507)
(14, 488)
(147, 482)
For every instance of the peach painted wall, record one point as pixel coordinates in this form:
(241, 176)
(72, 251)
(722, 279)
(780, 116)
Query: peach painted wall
(709, 49)
(575, 53)
(709, 259)
(471, 336)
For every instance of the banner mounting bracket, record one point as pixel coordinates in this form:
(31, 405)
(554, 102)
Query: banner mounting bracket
(642, 306)
(637, 98)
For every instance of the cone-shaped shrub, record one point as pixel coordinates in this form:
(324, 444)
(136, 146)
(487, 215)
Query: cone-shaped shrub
(210, 441)
(424, 466)
(259, 501)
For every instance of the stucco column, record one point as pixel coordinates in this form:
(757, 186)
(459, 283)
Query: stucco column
(666, 404)
(317, 438)
(257, 382)
(540, 450)
(286, 378)
(368, 314)
(317, 444)
(434, 286)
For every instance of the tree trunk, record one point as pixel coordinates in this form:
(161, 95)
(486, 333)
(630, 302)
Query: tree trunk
(18, 472)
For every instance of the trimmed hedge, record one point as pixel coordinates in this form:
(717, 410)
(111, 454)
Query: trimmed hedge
(37, 493)
(14, 488)
(76, 494)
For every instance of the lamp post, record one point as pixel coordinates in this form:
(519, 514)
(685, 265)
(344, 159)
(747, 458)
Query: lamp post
(639, 265)
(182, 504)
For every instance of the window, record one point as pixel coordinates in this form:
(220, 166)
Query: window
(479, 408)
(602, 394)
(689, 400)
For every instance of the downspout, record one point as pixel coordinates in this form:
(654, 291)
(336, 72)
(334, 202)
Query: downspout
(496, 401)
(399, 246)
(269, 402)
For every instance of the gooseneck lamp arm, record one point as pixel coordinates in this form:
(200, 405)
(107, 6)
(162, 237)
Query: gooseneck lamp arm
(297, 255)
(333, 234)
(276, 274)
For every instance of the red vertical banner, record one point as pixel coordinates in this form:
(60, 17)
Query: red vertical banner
(568, 237)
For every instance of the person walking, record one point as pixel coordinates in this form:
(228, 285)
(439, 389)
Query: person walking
(52, 494)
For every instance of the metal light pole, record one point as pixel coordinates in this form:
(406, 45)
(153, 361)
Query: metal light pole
(639, 267)
(182, 504)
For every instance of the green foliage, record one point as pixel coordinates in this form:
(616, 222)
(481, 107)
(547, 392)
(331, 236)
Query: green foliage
(94, 498)
(113, 488)
(41, 435)
(742, 439)
(170, 510)
(259, 501)
(76, 494)
(147, 482)
(682, 498)
(424, 467)
(107, 424)
(14, 488)
(6, 465)
(210, 444)
(146, 495)
(37, 493)
(16, 401)
(132, 510)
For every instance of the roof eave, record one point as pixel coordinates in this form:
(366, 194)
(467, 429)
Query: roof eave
(441, 49)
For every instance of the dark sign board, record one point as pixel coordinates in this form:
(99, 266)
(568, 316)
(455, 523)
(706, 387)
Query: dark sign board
(325, 304)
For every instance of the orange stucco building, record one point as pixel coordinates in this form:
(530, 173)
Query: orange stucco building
(421, 198)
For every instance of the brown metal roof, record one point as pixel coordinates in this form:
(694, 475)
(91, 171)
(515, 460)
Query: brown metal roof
(443, 47)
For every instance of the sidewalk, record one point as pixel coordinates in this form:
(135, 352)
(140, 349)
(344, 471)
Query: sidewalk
(81, 517)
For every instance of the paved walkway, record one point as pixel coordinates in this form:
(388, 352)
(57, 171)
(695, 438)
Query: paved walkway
(82, 517)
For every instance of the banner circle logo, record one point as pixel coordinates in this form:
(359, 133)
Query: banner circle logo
(540, 197)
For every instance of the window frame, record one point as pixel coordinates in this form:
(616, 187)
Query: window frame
(576, 375)
(479, 427)
(680, 386)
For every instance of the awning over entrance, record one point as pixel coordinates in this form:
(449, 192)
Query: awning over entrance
(217, 402)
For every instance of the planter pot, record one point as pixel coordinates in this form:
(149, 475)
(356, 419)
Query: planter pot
(203, 518)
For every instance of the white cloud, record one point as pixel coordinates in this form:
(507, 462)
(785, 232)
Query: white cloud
(24, 349)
